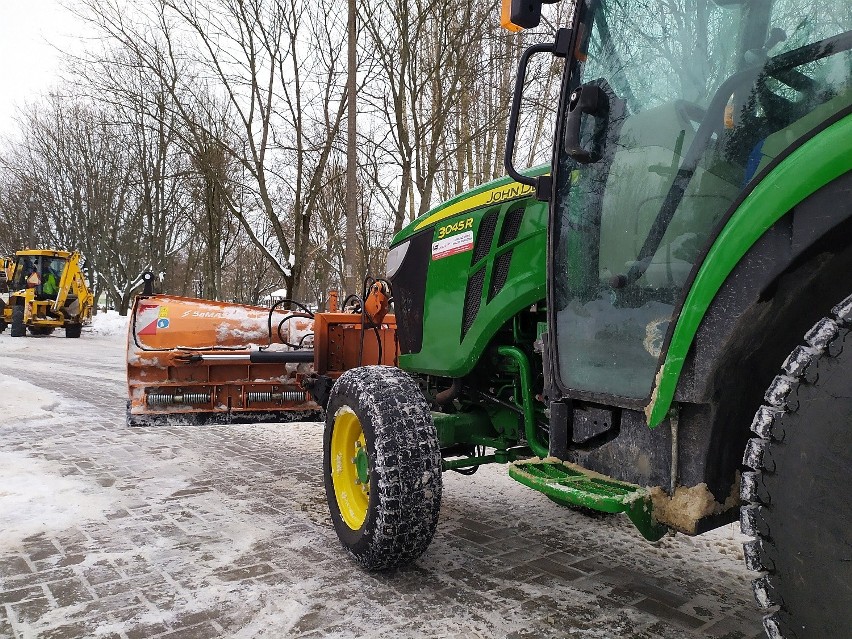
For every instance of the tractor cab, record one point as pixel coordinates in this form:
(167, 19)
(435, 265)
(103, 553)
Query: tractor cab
(700, 216)
(672, 116)
(41, 272)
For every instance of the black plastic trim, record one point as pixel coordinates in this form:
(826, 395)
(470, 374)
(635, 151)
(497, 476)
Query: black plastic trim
(409, 291)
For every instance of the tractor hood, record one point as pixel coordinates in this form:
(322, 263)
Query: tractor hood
(493, 192)
(462, 270)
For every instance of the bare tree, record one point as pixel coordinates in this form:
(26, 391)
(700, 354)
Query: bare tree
(277, 67)
(80, 171)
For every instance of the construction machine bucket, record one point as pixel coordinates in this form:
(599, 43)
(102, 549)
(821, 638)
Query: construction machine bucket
(193, 361)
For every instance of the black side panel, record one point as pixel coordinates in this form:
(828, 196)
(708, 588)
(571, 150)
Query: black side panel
(472, 299)
(500, 274)
(484, 237)
(409, 291)
(639, 454)
(509, 231)
(511, 225)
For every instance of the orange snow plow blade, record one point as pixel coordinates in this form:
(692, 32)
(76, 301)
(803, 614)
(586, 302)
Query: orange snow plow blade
(194, 361)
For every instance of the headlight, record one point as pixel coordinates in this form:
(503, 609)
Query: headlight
(395, 257)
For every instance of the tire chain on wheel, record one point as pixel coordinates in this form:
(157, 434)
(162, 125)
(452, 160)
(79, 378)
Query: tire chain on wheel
(770, 425)
(408, 464)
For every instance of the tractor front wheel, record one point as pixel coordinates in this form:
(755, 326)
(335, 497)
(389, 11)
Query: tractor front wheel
(382, 466)
(796, 496)
(17, 329)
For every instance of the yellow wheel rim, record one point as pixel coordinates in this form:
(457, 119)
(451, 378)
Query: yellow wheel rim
(348, 457)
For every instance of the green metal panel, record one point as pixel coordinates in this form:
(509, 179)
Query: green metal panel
(571, 485)
(463, 427)
(816, 163)
(472, 292)
(485, 194)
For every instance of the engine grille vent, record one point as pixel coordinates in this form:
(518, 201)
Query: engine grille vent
(484, 237)
(499, 274)
(472, 299)
(511, 225)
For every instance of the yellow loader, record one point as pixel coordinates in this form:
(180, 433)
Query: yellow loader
(7, 267)
(47, 291)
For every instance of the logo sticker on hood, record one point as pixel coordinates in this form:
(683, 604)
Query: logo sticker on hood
(452, 245)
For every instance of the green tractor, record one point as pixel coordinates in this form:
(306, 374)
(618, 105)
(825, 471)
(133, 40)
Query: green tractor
(653, 324)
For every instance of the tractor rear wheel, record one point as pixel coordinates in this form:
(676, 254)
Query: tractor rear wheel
(382, 466)
(17, 329)
(796, 497)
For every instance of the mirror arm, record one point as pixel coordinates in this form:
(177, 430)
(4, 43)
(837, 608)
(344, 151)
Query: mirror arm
(559, 48)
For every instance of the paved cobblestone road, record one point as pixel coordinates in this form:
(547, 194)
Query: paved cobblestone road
(223, 532)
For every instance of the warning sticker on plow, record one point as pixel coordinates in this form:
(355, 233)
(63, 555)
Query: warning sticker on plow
(452, 245)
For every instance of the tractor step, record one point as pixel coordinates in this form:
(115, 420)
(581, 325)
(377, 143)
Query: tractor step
(571, 485)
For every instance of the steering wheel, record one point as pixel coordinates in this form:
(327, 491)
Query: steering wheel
(779, 110)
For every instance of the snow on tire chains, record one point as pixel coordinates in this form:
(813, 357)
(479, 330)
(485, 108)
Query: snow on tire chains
(767, 425)
(383, 387)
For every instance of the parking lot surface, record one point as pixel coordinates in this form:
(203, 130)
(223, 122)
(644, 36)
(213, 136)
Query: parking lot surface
(197, 532)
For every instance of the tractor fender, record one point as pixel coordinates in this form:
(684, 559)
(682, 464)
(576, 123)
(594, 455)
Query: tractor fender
(775, 293)
(793, 177)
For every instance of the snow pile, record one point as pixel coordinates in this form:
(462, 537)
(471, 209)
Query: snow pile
(35, 499)
(109, 323)
(20, 400)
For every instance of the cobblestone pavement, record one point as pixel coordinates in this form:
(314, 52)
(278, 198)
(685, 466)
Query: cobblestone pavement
(224, 532)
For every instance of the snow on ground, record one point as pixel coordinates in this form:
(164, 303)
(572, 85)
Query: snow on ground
(21, 400)
(35, 499)
(225, 532)
(109, 323)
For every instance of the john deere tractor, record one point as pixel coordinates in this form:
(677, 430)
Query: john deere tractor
(46, 291)
(656, 323)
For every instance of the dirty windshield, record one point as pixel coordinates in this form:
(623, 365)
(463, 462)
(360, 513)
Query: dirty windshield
(684, 104)
(25, 265)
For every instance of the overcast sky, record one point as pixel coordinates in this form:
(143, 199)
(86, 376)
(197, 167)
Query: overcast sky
(29, 63)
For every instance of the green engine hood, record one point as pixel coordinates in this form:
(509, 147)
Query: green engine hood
(464, 269)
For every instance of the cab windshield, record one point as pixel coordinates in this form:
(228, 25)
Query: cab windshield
(25, 266)
(677, 108)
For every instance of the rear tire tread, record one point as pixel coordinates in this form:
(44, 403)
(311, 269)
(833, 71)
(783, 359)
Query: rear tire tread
(17, 328)
(73, 330)
(799, 369)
